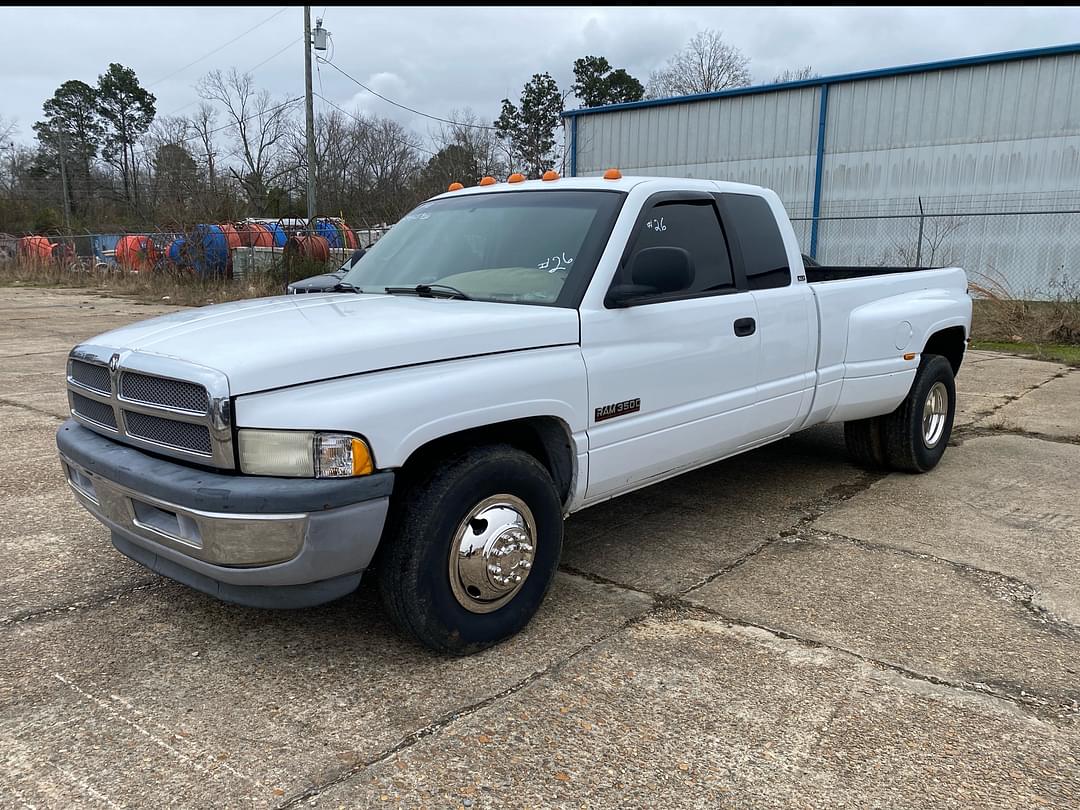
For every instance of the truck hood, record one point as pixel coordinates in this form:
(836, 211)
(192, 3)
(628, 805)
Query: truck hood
(274, 342)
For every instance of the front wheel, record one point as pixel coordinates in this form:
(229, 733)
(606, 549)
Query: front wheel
(476, 546)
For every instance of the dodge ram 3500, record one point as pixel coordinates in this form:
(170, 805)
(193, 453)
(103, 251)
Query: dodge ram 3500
(506, 355)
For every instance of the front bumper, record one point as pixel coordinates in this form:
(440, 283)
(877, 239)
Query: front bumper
(259, 541)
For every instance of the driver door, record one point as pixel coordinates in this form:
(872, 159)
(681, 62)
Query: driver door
(672, 375)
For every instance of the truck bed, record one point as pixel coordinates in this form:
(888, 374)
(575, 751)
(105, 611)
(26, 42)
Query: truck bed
(824, 272)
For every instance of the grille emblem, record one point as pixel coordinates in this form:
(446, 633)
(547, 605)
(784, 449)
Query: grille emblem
(114, 362)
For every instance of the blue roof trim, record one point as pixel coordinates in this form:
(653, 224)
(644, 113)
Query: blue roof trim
(879, 73)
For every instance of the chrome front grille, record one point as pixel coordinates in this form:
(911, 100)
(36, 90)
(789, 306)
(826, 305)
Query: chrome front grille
(97, 412)
(164, 405)
(91, 376)
(183, 396)
(169, 432)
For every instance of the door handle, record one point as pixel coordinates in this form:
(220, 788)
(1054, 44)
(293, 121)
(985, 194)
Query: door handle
(744, 327)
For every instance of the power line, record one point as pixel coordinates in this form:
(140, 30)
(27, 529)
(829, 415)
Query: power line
(362, 121)
(403, 106)
(274, 55)
(229, 125)
(219, 48)
(249, 70)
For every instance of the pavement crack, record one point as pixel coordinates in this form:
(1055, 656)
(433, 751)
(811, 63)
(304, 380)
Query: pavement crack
(23, 406)
(976, 431)
(602, 580)
(811, 510)
(978, 428)
(95, 601)
(445, 720)
(1020, 592)
(1043, 706)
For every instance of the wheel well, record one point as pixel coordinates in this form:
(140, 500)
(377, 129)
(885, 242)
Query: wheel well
(545, 438)
(950, 344)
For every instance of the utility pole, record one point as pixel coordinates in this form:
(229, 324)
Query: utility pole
(310, 111)
(64, 185)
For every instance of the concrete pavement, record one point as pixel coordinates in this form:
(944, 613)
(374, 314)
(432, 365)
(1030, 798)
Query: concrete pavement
(781, 629)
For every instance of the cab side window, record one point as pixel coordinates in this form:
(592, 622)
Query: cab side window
(764, 256)
(690, 226)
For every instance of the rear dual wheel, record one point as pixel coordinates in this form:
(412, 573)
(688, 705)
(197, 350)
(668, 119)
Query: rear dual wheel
(912, 438)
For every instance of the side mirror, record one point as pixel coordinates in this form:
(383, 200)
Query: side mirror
(655, 271)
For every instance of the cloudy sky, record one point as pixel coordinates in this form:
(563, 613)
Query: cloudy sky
(440, 59)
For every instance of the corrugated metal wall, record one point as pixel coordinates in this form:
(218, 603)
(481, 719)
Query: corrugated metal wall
(1011, 130)
(997, 137)
(768, 139)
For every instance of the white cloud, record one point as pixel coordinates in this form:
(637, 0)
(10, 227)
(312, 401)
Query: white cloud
(438, 59)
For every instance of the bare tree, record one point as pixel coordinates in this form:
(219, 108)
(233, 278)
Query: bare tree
(795, 75)
(335, 157)
(935, 249)
(7, 128)
(706, 64)
(258, 124)
(202, 125)
(170, 166)
(479, 146)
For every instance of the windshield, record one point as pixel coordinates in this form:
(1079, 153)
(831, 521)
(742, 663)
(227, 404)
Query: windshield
(526, 247)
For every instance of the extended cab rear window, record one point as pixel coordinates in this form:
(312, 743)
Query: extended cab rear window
(764, 256)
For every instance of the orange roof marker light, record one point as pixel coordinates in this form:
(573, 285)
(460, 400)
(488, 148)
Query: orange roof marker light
(488, 181)
(455, 187)
(516, 177)
(612, 174)
(550, 174)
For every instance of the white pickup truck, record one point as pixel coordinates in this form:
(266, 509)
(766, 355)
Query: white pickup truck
(507, 355)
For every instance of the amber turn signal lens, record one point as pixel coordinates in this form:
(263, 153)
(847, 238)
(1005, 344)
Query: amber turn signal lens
(612, 174)
(455, 187)
(488, 181)
(362, 463)
(516, 177)
(909, 356)
(550, 174)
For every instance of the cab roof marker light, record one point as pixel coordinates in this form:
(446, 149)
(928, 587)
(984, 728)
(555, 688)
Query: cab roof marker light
(455, 187)
(612, 174)
(488, 181)
(516, 177)
(550, 174)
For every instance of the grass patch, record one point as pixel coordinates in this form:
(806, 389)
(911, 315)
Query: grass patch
(1002, 318)
(1068, 354)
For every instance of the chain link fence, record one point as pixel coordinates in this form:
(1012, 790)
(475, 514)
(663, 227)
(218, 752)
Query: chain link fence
(1010, 255)
(1020, 255)
(278, 248)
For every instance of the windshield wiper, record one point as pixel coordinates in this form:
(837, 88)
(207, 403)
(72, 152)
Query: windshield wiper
(344, 286)
(429, 291)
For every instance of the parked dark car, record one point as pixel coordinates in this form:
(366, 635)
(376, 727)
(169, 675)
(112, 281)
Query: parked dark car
(325, 282)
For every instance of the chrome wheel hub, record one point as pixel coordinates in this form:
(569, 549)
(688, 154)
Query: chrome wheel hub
(935, 410)
(492, 553)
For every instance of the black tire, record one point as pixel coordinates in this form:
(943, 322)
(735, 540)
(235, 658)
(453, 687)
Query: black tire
(864, 442)
(414, 567)
(902, 430)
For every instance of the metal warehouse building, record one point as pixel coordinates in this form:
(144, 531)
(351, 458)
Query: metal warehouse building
(974, 161)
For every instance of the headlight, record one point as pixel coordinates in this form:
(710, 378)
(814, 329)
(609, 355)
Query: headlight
(303, 454)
